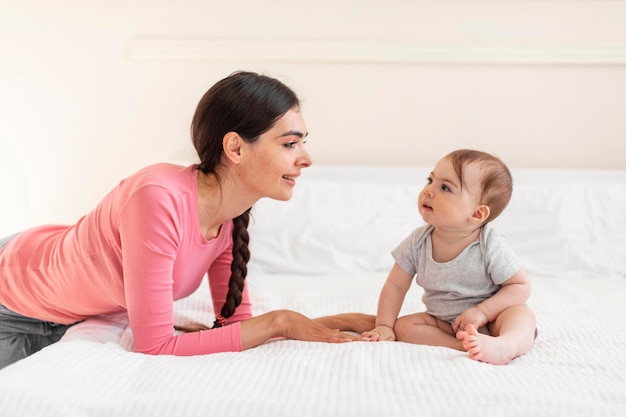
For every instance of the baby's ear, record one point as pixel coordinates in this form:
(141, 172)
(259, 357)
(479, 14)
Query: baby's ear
(480, 214)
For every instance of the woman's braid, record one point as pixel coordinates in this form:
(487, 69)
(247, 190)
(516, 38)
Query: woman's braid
(238, 268)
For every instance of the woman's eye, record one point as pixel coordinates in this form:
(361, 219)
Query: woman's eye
(290, 144)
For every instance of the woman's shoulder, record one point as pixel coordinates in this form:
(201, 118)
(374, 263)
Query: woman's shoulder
(164, 168)
(156, 183)
(163, 175)
(164, 187)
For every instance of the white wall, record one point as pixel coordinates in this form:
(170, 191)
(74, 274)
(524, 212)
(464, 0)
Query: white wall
(90, 90)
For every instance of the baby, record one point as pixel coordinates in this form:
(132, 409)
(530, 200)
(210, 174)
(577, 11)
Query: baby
(474, 285)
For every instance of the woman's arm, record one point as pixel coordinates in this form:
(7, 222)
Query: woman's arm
(290, 325)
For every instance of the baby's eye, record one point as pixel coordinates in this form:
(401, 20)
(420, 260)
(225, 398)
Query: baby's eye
(445, 188)
(429, 180)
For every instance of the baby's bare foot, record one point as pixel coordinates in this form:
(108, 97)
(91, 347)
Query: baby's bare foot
(485, 348)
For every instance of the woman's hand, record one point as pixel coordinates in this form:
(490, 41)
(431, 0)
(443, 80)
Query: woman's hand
(296, 326)
(291, 325)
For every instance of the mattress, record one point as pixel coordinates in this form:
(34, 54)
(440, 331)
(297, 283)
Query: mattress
(575, 368)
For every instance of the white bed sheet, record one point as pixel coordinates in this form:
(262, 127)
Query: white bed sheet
(575, 368)
(326, 251)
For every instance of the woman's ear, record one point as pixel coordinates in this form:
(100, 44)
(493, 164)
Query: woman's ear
(480, 214)
(232, 147)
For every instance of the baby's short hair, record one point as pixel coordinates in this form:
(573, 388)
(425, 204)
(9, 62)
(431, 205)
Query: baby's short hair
(496, 182)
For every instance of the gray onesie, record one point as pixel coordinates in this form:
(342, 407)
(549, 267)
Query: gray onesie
(452, 287)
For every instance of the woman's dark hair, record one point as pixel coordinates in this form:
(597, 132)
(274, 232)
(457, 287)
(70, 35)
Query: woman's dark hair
(248, 104)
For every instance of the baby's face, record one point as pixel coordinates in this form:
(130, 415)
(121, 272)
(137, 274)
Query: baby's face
(445, 201)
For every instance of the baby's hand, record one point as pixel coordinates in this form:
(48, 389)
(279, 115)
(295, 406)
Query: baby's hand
(470, 316)
(378, 334)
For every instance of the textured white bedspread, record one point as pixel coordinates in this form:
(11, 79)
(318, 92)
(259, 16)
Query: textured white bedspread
(326, 251)
(575, 368)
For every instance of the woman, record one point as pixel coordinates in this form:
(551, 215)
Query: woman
(154, 236)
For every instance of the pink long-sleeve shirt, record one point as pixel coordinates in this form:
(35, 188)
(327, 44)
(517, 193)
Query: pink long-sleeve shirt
(139, 250)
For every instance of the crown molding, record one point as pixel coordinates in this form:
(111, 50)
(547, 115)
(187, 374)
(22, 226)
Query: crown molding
(360, 52)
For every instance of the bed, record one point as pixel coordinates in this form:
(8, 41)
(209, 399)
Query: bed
(326, 251)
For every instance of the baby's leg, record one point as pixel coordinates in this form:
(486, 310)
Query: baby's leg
(512, 335)
(354, 322)
(424, 329)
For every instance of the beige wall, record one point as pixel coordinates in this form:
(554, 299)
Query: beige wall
(91, 91)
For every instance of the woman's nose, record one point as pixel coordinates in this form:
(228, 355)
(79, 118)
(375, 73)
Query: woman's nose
(305, 159)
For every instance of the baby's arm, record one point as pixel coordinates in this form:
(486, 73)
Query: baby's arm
(514, 291)
(389, 304)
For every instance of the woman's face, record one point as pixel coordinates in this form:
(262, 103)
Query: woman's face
(272, 164)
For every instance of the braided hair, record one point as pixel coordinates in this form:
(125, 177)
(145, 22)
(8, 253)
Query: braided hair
(238, 268)
(249, 104)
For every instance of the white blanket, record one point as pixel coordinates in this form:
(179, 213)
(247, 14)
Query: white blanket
(314, 259)
(575, 368)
